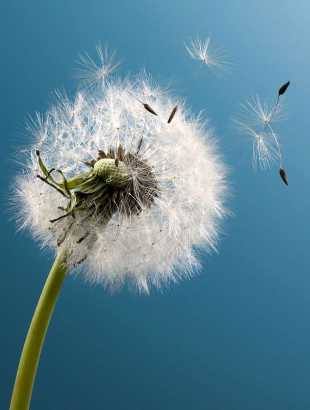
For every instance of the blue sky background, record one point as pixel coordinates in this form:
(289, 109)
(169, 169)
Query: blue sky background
(237, 336)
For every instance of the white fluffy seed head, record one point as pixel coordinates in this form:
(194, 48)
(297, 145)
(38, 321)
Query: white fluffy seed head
(178, 188)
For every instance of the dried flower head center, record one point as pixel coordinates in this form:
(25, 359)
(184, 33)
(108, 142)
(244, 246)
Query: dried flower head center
(129, 180)
(115, 173)
(120, 182)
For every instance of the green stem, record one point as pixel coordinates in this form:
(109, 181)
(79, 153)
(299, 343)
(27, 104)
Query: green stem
(32, 348)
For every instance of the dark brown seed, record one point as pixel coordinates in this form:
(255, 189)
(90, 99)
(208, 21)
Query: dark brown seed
(116, 162)
(139, 144)
(283, 88)
(149, 109)
(92, 162)
(283, 176)
(111, 153)
(114, 196)
(37, 152)
(102, 154)
(120, 153)
(172, 114)
(88, 164)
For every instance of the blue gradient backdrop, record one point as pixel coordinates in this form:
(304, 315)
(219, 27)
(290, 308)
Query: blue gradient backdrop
(237, 336)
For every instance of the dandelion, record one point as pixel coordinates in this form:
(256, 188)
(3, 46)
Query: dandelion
(121, 197)
(214, 57)
(254, 119)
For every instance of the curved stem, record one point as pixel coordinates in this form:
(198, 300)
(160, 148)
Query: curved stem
(32, 348)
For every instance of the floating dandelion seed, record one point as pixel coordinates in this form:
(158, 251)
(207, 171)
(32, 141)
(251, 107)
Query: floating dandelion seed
(91, 74)
(214, 57)
(254, 119)
(254, 113)
(264, 151)
(153, 87)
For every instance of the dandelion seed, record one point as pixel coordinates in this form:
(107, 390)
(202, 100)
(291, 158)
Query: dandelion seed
(253, 120)
(254, 113)
(173, 112)
(264, 149)
(90, 73)
(153, 87)
(149, 109)
(213, 57)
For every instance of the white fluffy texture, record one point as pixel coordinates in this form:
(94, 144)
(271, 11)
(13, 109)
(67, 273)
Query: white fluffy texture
(158, 246)
(254, 113)
(89, 72)
(253, 121)
(214, 57)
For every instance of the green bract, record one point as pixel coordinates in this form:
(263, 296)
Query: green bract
(94, 193)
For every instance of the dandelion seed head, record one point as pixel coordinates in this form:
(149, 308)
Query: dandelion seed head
(155, 193)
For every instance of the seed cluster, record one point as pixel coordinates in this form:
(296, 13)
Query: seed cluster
(127, 193)
(120, 182)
